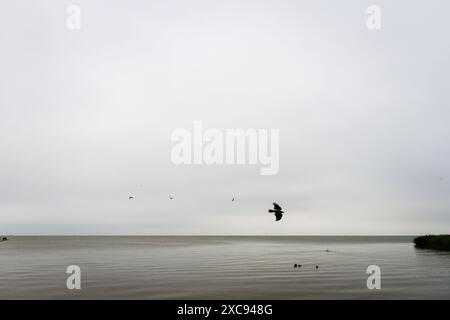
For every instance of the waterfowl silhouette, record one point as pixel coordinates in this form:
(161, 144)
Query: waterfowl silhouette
(130, 197)
(277, 211)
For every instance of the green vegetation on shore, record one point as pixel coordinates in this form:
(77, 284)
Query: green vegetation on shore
(438, 242)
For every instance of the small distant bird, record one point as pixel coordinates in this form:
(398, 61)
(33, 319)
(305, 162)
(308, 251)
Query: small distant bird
(295, 265)
(277, 211)
(299, 265)
(130, 197)
(170, 197)
(232, 200)
(317, 267)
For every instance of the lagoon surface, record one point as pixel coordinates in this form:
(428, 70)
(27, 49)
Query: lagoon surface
(209, 267)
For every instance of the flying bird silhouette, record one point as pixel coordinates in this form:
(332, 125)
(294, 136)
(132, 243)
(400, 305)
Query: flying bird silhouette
(170, 197)
(130, 197)
(232, 200)
(276, 211)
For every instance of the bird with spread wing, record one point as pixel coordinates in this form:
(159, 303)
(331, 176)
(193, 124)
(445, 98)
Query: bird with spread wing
(277, 211)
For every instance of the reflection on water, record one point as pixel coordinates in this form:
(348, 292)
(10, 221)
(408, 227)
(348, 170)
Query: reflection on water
(221, 268)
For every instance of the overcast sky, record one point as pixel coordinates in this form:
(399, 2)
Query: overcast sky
(86, 116)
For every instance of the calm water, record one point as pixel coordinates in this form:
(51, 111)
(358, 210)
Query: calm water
(221, 268)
